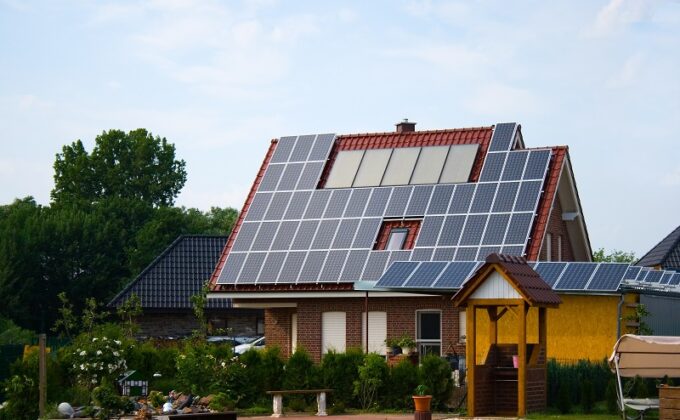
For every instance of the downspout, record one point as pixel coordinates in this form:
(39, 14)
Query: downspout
(618, 315)
(366, 311)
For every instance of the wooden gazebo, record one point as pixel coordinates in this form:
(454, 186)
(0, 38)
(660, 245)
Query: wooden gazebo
(512, 378)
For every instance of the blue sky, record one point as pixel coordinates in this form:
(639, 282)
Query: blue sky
(220, 79)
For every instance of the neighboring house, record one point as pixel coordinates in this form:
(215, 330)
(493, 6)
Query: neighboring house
(393, 223)
(665, 254)
(165, 288)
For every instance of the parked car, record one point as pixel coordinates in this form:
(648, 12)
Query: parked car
(257, 344)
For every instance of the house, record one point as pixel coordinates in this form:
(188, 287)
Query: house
(665, 254)
(392, 224)
(165, 288)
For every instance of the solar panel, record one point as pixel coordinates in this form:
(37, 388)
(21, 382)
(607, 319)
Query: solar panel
(271, 178)
(283, 148)
(675, 280)
(575, 276)
(231, 268)
(278, 205)
(503, 134)
(607, 277)
(455, 274)
(378, 201)
(460, 203)
(632, 272)
(357, 202)
(317, 204)
(642, 274)
(366, 235)
(537, 164)
(429, 231)
(285, 235)
(298, 204)
(493, 166)
(310, 176)
(440, 199)
(325, 234)
(518, 229)
(245, 236)
(312, 267)
(495, 231)
(654, 276)
(666, 278)
(396, 274)
(513, 250)
(426, 274)
(467, 254)
(422, 254)
(419, 200)
(354, 265)
(375, 265)
(291, 268)
(550, 271)
(337, 203)
(302, 148)
(305, 234)
(290, 176)
(322, 147)
(453, 227)
(346, 232)
(265, 236)
(400, 255)
(514, 165)
(271, 267)
(484, 195)
(444, 254)
(333, 266)
(259, 206)
(505, 197)
(474, 228)
(485, 251)
(252, 267)
(527, 196)
(398, 201)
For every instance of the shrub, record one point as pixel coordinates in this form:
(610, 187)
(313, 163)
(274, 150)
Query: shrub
(338, 372)
(611, 397)
(564, 399)
(22, 397)
(96, 359)
(264, 372)
(571, 376)
(107, 399)
(372, 378)
(222, 402)
(403, 378)
(300, 371)
(436, 375)
(587, 396)
(199, 365)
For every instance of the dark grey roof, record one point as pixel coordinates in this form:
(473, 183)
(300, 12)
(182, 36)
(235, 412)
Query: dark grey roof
(177, 274)
(666, 253)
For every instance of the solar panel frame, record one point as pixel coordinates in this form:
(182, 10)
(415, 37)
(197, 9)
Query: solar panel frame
(258, 207)
(422, 254)
(419, 201)
(607, 277)
(302, 148)
(496, 228)
(462, 199)
(485, 251)
(283, 149)
(317, 204)
(271, 268)
(503, 136)
(354, 266)
(399, 255)
(290, 271)
(537, 164)
(232, 268)
(468, 253)
(575, 276)
(513, 250)
(310, 176)
(271, 177)
(297, 205)
(550, 272)
(514, 165)
(378, 202)
(367, 233)
(304, 235)
(285, 234)
(493, 167)
(441, 197)
(333, 266)
(311, 269)
(518, 229)
(429, 231)
(632, 272)
(654, 276)
(337, 203)
(527, 196)
(291, 175)
(484, 197)
(397, 274)
(357, 202)
(666, 278)
(426, 274)
(246, 235)
(675, 280)
(265, 236)
(322, 146)
(375, 265)
(325, 234)
(444, 254)
(455, 274)
(451, 230)
(505, 197)
(398, 201)
(278, 205)
(346, 232)
(474, 229)
(251, 268)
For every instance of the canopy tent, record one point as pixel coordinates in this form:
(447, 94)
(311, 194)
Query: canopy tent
(645, 356)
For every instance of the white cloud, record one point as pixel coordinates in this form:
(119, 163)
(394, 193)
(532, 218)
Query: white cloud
(451, 57)
(628, 74)
(618, 14)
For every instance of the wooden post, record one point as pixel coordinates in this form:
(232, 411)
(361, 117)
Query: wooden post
(471, 356)
(493, 324)
(543, 345)
(522, 355)
(42, 373)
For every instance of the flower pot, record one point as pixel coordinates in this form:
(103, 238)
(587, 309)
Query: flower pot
(406, 350)
(422, 402)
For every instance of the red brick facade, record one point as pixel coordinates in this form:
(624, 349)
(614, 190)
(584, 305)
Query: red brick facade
(557, 228)
(401, 318)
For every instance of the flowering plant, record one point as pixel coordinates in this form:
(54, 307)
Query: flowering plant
(98, 358)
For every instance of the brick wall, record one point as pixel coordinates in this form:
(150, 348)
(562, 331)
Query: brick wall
(183, 323)
(401, 318)
(557, 227)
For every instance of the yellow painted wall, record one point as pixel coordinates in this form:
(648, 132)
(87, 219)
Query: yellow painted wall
(583, 327)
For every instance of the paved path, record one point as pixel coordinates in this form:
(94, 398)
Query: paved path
(351, 416)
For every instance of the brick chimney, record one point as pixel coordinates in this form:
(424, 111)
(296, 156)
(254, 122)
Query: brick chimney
(406, 126)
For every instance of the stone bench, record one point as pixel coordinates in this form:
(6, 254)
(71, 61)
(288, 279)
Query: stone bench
(320, 399)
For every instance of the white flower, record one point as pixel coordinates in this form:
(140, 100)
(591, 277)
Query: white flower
(82, 353)
(117, 342)
(115, 353)
(224, 364)
(94, 339)
(99, 352)
(82, 367)
(94, 381)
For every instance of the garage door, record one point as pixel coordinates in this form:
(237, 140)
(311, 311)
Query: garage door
(377, 331)
(333, 331)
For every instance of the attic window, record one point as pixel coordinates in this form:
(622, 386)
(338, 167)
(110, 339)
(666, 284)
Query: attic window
(398, 234)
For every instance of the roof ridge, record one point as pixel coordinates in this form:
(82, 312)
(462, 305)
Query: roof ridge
(409, 133)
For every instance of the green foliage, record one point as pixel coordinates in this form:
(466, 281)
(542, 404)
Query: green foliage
(300, 371)
(96, 360)
(638, 317)
(564, 399)
(421, 390)
(587, 396)
(128, 313)
(566, 381)
(10, 333)
(436, 376)
(22, 398)
(222, 402)
(406, 341)
(611, 397)
(198, 302)
(373, 376)
(404, 377)
(339, 371)
(196, 368)
(265, 371)
(613, 256)
(156, 399)
(106, 397)
(67, 322)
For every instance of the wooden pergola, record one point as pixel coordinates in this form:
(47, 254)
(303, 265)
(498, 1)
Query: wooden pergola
(512, 380)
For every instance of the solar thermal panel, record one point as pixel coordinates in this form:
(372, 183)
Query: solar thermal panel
(537, 164)
(397, 274)
(357, 202)
(346, 232)
(271, 177)
(473, 230)
(291, 268)
(322, 147)
(337, 203)
(312, 267)
(419, 200)
(440, 199)
(377, 202)
(453, 227)
(283, 148)
(550, 272)
(271, 267)
(505, 197)
(462, 197)
(354, 265)
(290, 176)
(426, 274)
(310, 176)
(366, 235)
(503, 134)
(455, 274)
(514, 165)
(333, 266)
(251, 268)
(278, 205)
(375, 265)
(429, 231)
(302, 148)
(575, 276)
(305, 234)
(493, 166)
(298, 204)
(231, 268)
(245, 236)
(317, 204)
(481, 203)
(258, 207)
(398, 201)
(607, 277)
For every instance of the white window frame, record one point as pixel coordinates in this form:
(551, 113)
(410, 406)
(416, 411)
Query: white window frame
(462, 326)
(419, 342)
(559, 248)
(548, 246)
(341, 347)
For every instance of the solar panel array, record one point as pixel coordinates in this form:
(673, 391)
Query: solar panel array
(296, 233)
(561, 276)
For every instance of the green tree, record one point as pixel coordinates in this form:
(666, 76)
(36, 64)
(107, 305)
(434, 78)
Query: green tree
(613, 256)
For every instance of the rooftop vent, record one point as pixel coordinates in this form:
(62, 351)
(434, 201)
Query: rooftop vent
(406, 126)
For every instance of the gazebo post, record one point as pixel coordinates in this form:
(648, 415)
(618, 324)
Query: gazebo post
(471, 355)
(493, 324)
(522, 355)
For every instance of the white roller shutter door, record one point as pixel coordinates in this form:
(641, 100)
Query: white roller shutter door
(377, 331)
(333, 331)
(293, 333)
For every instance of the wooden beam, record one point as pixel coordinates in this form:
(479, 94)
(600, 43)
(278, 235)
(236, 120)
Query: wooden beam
(522, 366)
(493, 324)
(471, 353)
(543, 343)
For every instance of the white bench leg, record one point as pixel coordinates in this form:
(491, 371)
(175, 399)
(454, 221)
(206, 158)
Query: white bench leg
(321, 404)
(278, 405)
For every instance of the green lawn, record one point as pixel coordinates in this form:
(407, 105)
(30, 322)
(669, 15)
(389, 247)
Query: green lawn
(573, 416)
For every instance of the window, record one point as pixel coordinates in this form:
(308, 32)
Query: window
(429, 329)
(559, 248)
(377, 331)
(333, 331)
(397, 234)
(293, 333)
(397, 238)
(548, 247)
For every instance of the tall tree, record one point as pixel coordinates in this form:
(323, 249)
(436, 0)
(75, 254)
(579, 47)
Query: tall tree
(613, 256)
(134, 165)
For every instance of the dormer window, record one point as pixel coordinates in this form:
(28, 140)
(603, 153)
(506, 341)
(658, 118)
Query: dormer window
(397, 234)
(397, 239)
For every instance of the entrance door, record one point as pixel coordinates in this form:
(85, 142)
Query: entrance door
(429, 333)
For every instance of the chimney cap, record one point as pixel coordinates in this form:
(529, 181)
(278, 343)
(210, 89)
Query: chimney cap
(406, 126)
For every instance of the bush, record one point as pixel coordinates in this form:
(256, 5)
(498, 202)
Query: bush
(564, 399)
(403, 379)
(264, 371)
(22, 398)
(571, 376)
(300, 371)
(372, 379)
(338, 372)
(611, 397)
(587, 396)
(106, 397)
(222, 402)
(436, 375)
(199, 365)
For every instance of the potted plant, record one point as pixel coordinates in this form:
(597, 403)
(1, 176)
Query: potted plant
(421, 399)
(393, 345)
(407, 344)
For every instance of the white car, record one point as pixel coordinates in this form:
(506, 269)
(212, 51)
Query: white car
(256, 344)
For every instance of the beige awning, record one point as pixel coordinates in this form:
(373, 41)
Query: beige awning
(647, 356)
